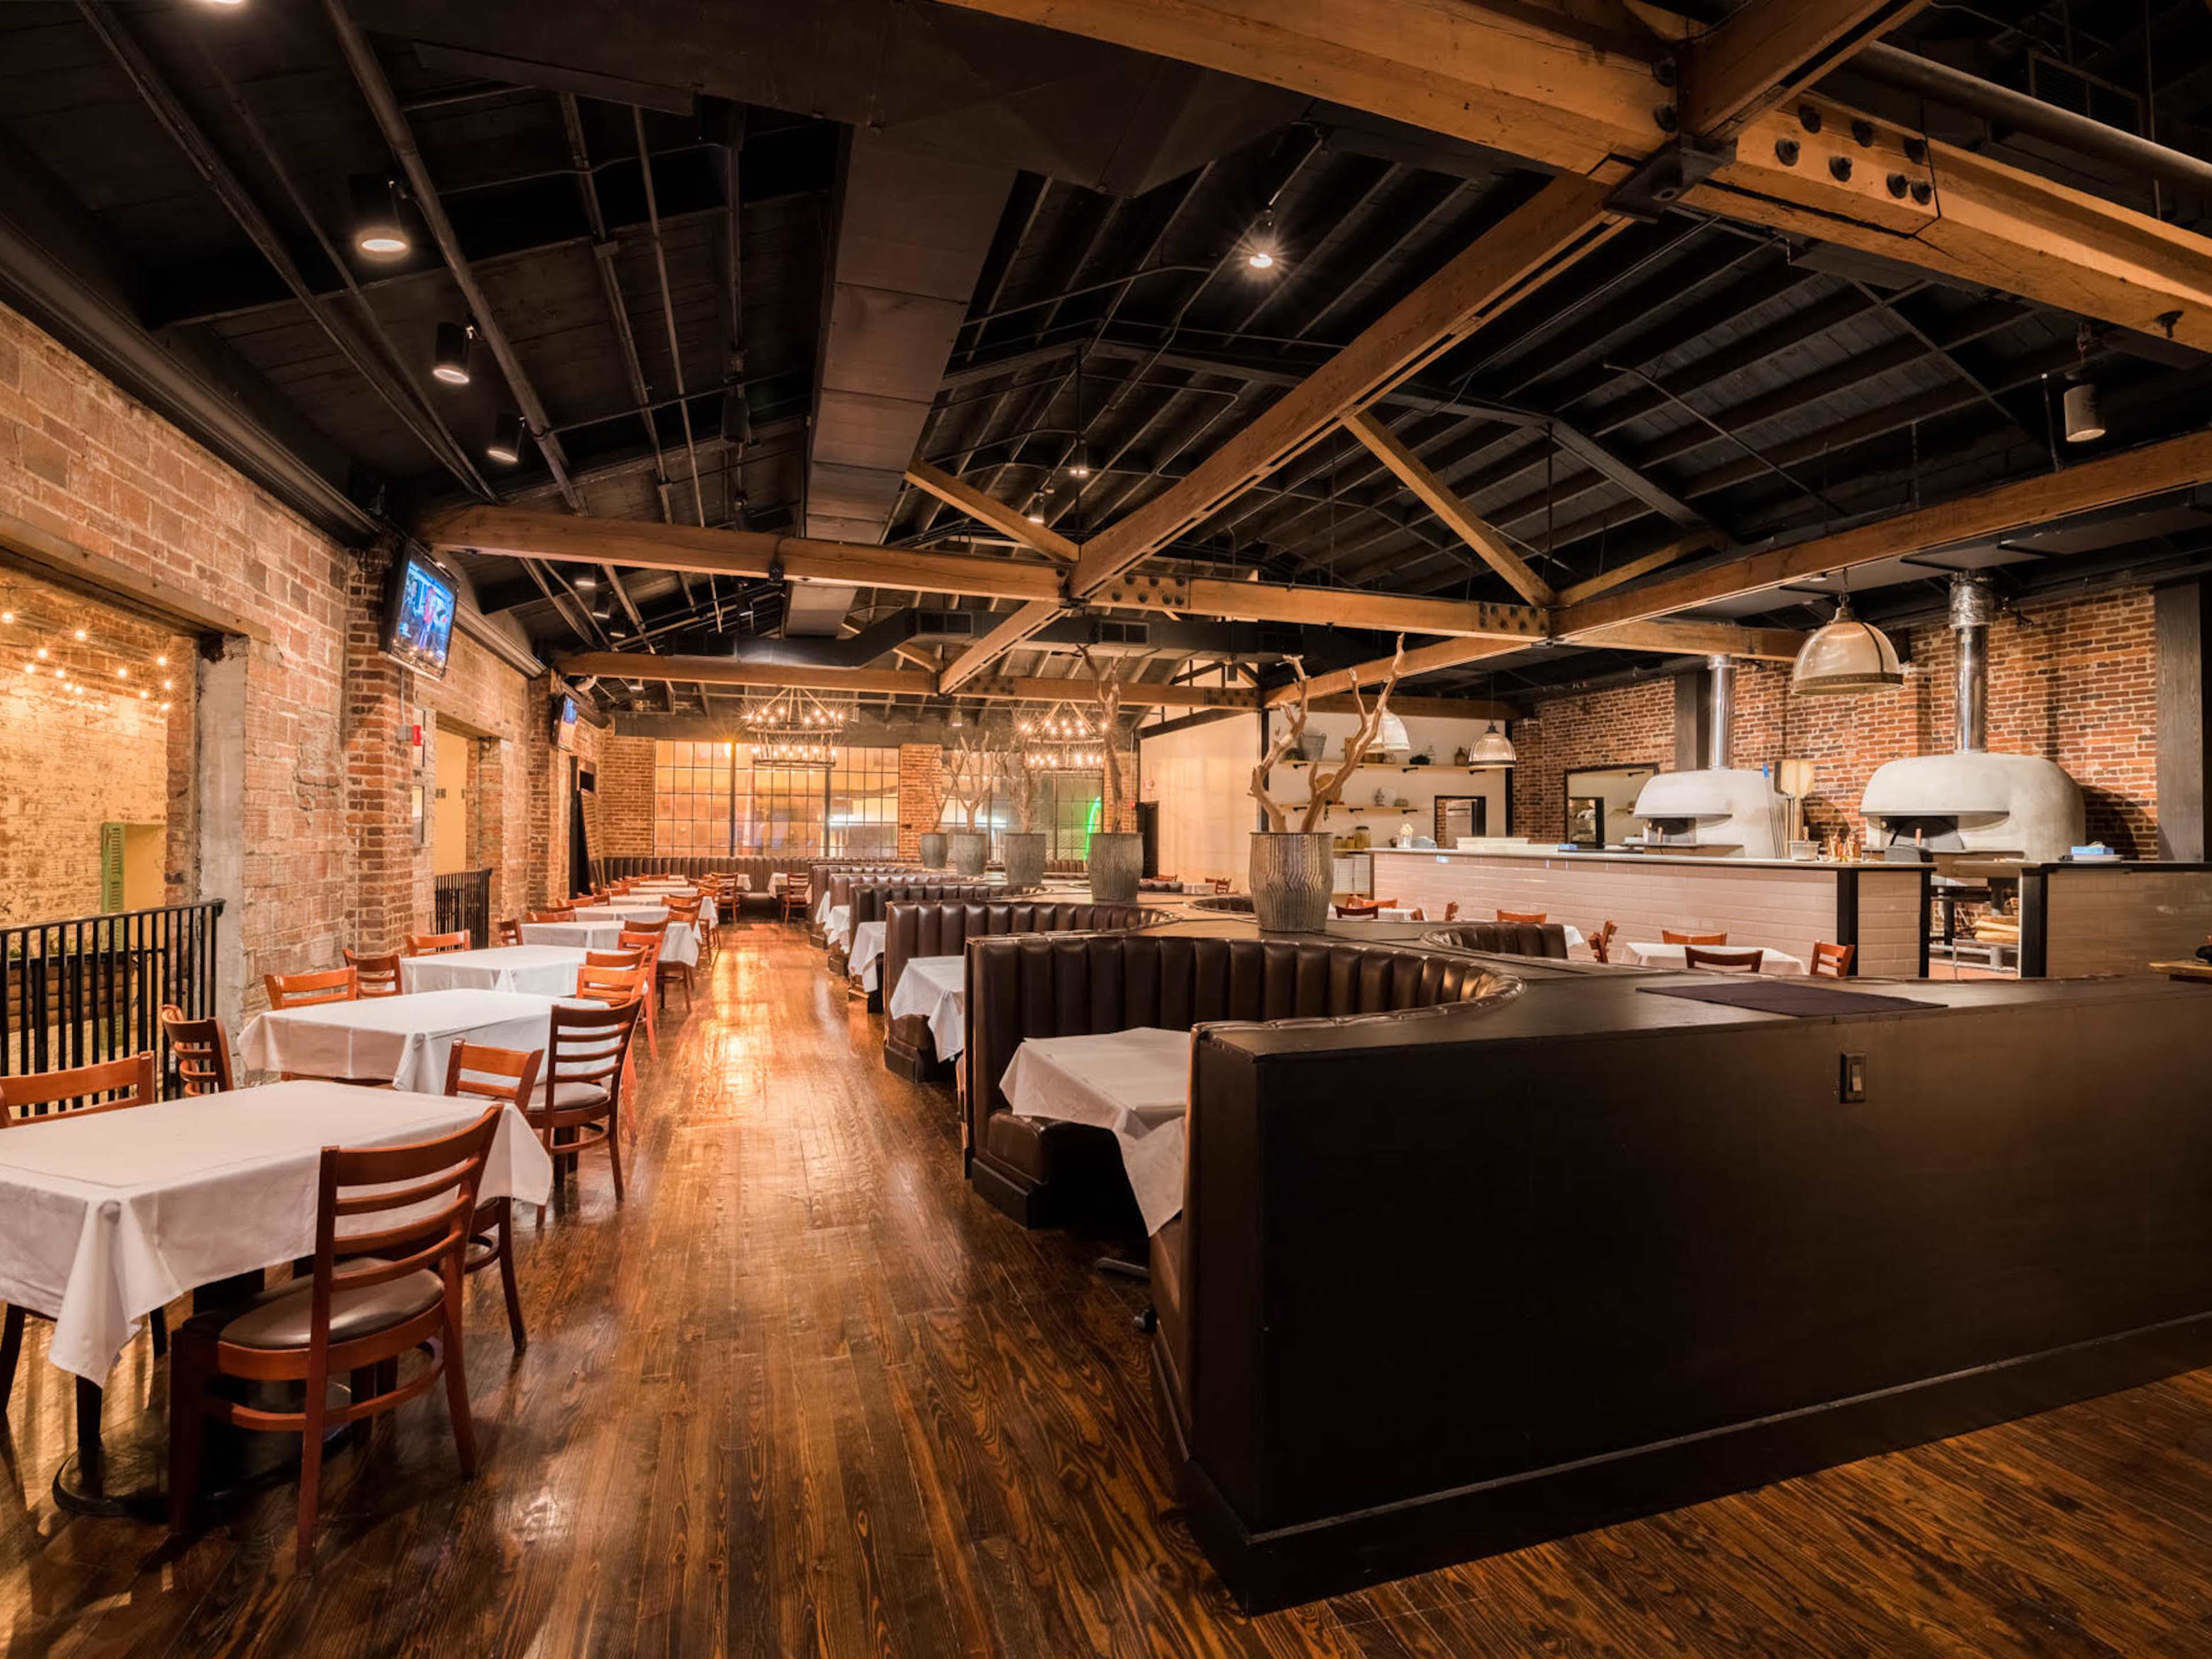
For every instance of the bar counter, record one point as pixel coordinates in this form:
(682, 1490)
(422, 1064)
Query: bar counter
(1778, 904)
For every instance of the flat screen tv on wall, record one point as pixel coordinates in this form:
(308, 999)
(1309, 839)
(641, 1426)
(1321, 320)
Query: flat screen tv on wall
(418, 615)
(564, 723)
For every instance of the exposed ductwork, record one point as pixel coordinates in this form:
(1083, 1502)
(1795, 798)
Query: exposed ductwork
(1971, 607)
(1720, 711)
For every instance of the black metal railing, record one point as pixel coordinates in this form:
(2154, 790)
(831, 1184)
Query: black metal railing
(91, 989)
(463, 901)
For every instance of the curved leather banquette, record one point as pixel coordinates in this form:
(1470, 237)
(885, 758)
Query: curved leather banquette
(1512, 938)
(1043, 985)
(943, 928)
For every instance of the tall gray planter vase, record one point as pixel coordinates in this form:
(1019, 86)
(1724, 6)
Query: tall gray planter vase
(1024, 852)
(1116, 861)
(970, 851)
(932, 849)
(1293, 875)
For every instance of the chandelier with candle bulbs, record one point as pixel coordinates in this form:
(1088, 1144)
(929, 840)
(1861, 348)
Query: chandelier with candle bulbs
(794, 729)
(1064, 738)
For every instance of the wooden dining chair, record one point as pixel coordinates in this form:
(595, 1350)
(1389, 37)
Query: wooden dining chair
(305, 990)
(1451, 911)
(555, 914)
(49, 1097)
(201, 1050)
(435, 945)
(356, 1316)
(687, 910)
(507, 933)
(1600, 940)
(795, 896)
(630, 961)
(1529, 918)
(1745, 961)
(1669, 936)
(1356, 909)
(1832, 961)
(580, 1087)
(377, 976)
(475, 1071)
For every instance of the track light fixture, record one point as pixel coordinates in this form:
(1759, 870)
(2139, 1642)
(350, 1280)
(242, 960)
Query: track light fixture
(451, 363)
(380, 228)
(1262, 253)
(506, 445)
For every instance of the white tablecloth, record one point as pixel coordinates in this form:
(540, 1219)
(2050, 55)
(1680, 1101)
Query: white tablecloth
(777, 881)
(104, 1218)
(1673, 955)
(866, 954)
(678, 943)
(1136, 1083)
(934, 988)
(404, 1039)
(838, 924)
(545, 970)
(637, 908)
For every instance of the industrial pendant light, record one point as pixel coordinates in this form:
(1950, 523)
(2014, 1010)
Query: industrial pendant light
(378, 229)
(506, 445)
(2085, 422)
(451, 361)
(1390, 733)
(1493, 748)
(1846, 658)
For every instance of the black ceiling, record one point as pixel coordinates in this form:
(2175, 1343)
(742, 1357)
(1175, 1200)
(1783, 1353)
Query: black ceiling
(1693, 374)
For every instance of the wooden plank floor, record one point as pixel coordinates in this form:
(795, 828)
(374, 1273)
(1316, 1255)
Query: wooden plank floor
(804, 1395)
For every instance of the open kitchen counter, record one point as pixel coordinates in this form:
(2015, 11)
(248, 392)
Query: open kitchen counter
(1777, 904)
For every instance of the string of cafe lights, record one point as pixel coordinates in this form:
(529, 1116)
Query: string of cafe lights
(41, 652)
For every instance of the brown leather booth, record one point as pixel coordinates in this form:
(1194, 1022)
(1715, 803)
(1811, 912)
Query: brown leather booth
(868, 898)
(1442, 1289)
(943, 928)
(830, 884)
(1042, 1172)
(1511, 938)
(759, 866)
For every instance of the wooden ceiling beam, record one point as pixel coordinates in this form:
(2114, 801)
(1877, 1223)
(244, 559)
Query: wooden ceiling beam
(1621, 574)
(988, 510)
(1505, 77)
(1771, 49)
(879, 682)
(1437, 497)
(520, 532)
(2107, 480)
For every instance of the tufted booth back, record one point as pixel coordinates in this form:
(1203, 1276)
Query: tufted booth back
(1512, 938)
(835, 879)
(944, 927)
(1045, 985)
(870, 898)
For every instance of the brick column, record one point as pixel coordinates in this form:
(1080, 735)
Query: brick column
(379, 770)
(920, 794)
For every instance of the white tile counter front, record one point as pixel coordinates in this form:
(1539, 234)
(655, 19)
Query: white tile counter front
(1778, 904)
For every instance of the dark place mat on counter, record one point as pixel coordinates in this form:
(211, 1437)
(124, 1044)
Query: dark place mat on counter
(1795, 997)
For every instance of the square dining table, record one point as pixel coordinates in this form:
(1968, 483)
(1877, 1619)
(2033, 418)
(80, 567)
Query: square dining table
(935, 989)
(1135, 1083)
(546, 971)
(679, 944)
(402, 1040)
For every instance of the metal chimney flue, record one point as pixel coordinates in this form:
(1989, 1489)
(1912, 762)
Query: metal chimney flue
(1972, 605)
(1720, 713)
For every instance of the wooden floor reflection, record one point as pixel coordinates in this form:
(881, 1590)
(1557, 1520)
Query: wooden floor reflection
(804, 1395)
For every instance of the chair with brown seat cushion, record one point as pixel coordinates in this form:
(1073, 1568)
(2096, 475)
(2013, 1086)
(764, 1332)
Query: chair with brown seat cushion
(435, 945)
(355, 1316)
(1512, 938)
(201, 1050)
(1723, 961)
(477, 1072)
(51, 1097)
(1832, 961)
(377, 976)
(305, 990)
(1670, 936)
(580, 1087)
(1042, 985)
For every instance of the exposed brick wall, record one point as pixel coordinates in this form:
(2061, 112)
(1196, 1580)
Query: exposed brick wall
(625, 796)
(71, 761)
(1619, 726)
(920, 794)
(2074, 682)
(323, 757)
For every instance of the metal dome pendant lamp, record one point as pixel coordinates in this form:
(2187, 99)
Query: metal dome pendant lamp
(1846, 657)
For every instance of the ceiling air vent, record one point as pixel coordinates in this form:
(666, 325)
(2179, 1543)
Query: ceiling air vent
(945, 624)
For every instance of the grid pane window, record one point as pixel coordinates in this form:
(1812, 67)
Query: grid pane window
(863, 821)
(691, 797)
(710, 798)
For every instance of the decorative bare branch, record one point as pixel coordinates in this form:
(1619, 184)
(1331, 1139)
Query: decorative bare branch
(1327, 785)
(1286, 743)
(968, 773)
(1018, 767)
(1106, 699)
